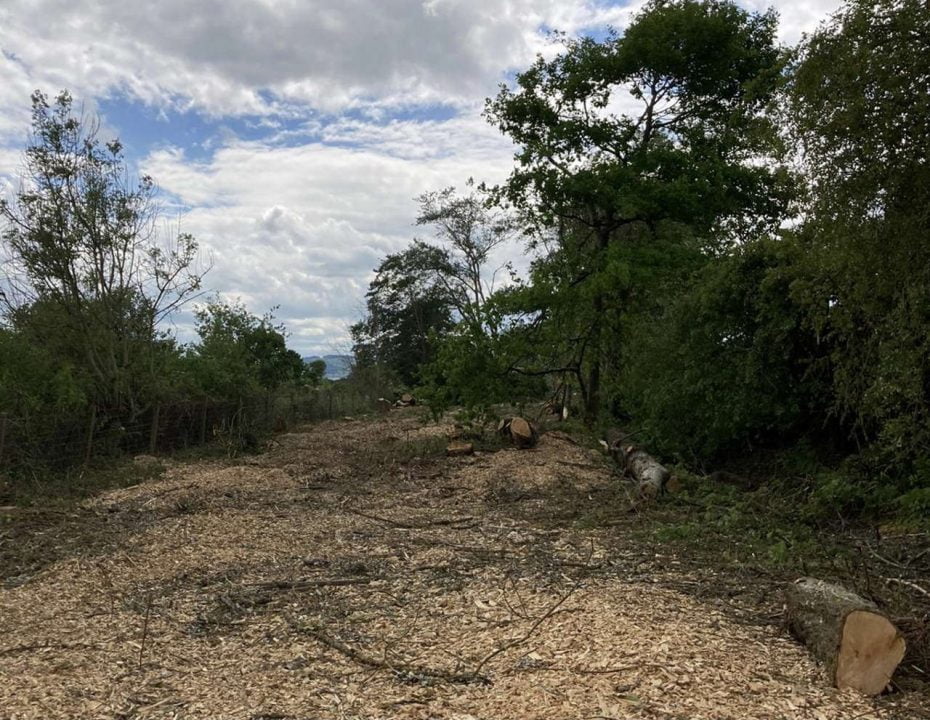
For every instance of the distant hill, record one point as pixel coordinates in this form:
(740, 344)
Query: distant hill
(337, 366)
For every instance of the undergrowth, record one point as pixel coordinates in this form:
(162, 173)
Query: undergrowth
(40, 486)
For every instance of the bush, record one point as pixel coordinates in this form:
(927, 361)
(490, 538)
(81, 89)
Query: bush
(729, 362)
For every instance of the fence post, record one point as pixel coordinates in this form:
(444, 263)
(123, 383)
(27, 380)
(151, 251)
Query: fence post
(3, 423)
(203, 424)
(153, 436)
(91, 427)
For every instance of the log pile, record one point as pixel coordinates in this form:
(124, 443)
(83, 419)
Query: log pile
(521, 432)
(858, 644)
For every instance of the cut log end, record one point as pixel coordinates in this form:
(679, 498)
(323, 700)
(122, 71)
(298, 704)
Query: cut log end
(870, 649)
(522, 432)
(859, 645)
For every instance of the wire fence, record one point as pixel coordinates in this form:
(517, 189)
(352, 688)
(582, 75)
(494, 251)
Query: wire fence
(66, 440)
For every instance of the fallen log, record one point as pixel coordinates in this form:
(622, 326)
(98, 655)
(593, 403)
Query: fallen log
(859, 645)
(649, 474)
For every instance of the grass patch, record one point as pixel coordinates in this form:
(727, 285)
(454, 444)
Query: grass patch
(52, 488)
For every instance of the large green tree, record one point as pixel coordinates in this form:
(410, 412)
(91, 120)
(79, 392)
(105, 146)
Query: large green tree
(861, 110)
(467, 230)
(406, 306)
(86, 274)
(649, 138)
(240, 353)
(419, 294)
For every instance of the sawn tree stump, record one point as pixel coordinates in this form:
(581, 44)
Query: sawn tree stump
(521, 432)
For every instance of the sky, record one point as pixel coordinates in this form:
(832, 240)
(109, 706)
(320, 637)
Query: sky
(291, 137)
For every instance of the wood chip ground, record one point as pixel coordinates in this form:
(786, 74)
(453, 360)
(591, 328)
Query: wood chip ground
(341, 575)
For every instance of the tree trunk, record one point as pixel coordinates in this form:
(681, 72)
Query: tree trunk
(593, 395)
(859, 645)
(593, 400)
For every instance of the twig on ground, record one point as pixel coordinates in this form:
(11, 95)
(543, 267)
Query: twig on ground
(539, 621)
(883, 558)
(47, 646)
(908, 583)
(307, 584)
(412, 525)
(145, 627)
(379, 518)
(403, 670)
(523, 638)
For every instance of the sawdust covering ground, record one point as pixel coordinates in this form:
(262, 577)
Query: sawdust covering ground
(342, 575)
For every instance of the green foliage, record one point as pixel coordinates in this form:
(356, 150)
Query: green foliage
(469, 228)
(821, 332)
(470, 370)
(727, 363)
(89, 278)
(428, 318)
(859, 96)
(33, 381)
(703, 73)
(683, 166)
(314, 372)
(406, 304)
(241, 354)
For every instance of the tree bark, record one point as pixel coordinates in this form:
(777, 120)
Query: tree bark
(522, 432)
(858, 644)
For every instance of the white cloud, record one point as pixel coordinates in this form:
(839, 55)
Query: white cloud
(255, 56)
(286, 57)
(303, 227)
(796, 17)
(301, 218)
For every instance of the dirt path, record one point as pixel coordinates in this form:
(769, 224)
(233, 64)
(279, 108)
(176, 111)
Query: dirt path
(354, 572)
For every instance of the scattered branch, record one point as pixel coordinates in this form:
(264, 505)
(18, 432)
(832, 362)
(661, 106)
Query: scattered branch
(405, 671)
(908, 583)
